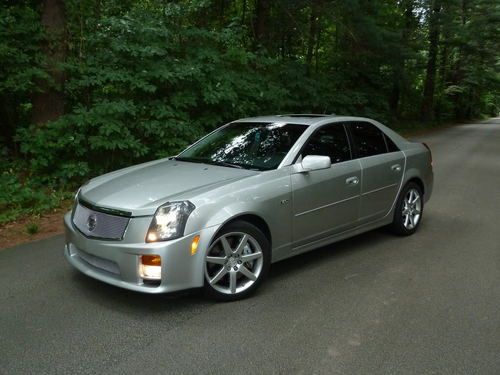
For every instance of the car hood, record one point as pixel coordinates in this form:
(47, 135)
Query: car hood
(142, 188)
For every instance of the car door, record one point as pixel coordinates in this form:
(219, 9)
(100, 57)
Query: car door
(326, 201)
(383, 166)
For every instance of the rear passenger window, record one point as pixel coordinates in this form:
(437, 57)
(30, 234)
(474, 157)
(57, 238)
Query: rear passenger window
(391, 146)
(330, 140)
(368, 139)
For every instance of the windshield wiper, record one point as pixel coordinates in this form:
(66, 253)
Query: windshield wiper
(190, 160)
(225, 164)
(208, 161)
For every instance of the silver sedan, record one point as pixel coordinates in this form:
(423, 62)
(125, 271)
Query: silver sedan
(252, 192)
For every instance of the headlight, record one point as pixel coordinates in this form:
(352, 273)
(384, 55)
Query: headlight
(169, 221)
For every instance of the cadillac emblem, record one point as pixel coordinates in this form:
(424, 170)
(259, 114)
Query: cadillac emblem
(91, 222)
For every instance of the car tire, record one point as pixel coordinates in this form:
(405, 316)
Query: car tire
(408, 211)
(237, 262)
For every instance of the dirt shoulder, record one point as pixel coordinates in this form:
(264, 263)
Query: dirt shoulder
(16, 232)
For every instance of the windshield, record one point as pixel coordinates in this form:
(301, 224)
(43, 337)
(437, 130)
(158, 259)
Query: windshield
(249, 145)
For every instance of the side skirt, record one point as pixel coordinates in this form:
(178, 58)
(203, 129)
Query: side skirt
(284, 253)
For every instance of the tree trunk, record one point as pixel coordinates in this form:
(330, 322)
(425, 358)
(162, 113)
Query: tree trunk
(316, 49)
(426, 111)
(313, 34)
(442, 74)
(400, 85)
(262, 10)
(408, 7)
(243, 12)
(9, 119)
(458, 71)
(222, 12)
(48, 104)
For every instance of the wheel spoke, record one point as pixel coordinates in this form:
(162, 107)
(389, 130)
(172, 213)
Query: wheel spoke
(250, 257)
(245, 271)
(233, 263)
(407, 219)
(417, 197)
(232, 282)
(242, 244)
(218, 276)
(412, 223)
(216, 260)
(227, 248)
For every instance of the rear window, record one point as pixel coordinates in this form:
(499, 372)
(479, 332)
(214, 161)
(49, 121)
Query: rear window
(391, 146)
(368, 139)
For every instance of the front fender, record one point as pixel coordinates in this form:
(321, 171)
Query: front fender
(266, 196)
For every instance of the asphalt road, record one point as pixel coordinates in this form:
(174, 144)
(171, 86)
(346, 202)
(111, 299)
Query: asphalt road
(374, 304)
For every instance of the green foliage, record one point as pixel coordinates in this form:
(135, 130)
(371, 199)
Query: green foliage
(20, 62)
(148, 100)
(22, 197)
(20, 57)
(32, 228)
(143, 79)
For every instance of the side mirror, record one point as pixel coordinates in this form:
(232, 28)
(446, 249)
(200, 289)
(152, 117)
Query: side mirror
(315, 162)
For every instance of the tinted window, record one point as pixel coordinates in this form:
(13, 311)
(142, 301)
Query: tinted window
(248, 145)
(368, 139)
(329, 141)
(391, 146)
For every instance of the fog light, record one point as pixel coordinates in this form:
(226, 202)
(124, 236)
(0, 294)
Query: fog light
(150, 267)
(194, 244)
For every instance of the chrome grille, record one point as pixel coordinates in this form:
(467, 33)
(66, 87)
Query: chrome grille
(99, 224)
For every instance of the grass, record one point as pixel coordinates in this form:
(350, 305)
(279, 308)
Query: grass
(32, 228)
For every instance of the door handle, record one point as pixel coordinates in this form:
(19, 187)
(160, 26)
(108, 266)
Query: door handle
(396, 168)
(352, 181)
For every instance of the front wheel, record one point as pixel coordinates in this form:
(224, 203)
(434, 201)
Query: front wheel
(408, 211)
(236, 262)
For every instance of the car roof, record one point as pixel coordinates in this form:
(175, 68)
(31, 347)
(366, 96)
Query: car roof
(303, 119)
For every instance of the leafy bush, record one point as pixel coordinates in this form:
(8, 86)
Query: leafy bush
(32, 228)
(20, 61)
(146, 89)
(143, 79)
(20, 198)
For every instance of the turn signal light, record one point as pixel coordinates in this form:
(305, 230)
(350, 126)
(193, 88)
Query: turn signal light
(151, 260)
(194, 244)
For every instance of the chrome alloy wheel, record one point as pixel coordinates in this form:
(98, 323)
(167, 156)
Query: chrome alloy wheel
(233, 263)
(412, 209)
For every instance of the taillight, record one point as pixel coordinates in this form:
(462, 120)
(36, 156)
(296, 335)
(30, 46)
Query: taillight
(430, 152)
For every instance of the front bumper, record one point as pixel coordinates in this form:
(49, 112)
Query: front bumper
(117, 262)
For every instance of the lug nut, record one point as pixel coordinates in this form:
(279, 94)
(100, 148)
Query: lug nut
(239, 262)
(235, 268)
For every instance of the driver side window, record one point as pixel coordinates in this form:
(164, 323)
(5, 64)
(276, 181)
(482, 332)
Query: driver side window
(331, 141)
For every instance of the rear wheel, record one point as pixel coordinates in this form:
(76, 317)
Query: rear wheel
(236, 262)
(409, 210)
